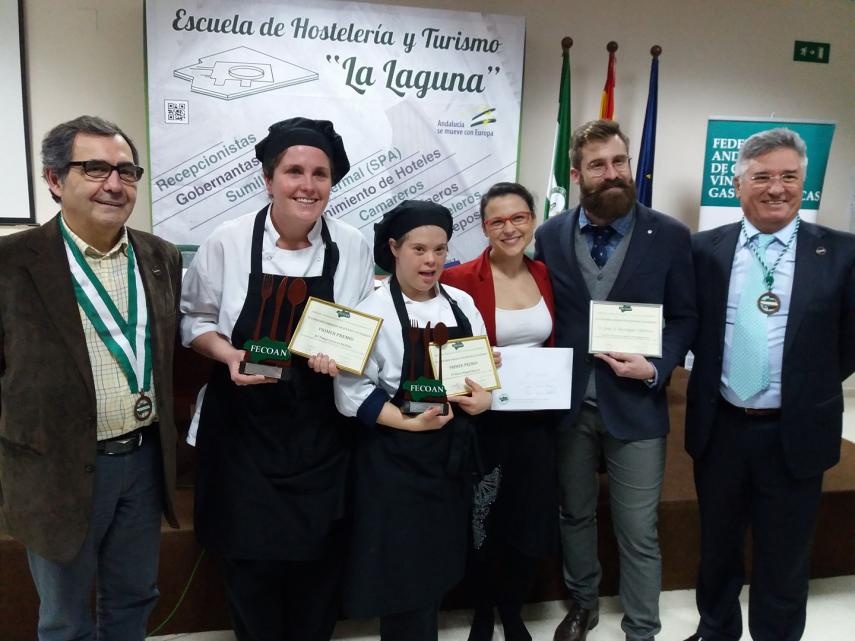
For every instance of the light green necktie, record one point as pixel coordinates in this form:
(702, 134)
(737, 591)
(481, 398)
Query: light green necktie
(749, 357)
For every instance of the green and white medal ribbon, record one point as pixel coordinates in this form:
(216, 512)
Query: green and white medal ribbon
(128, 341)
(769, 302)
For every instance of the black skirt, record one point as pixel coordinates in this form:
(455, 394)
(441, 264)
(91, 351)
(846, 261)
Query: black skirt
(516, 501)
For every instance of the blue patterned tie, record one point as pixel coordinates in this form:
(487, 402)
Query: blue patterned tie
(600, 245)
(749, 348)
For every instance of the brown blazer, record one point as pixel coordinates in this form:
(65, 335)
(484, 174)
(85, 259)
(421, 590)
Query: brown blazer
(47, 394)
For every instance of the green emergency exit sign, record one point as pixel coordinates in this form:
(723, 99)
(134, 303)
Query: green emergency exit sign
(811, 51)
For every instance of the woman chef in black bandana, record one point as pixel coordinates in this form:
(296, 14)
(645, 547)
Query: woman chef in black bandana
(411, 471)
(272, 455)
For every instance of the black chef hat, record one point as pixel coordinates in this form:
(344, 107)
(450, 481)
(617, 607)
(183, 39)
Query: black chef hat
(305, 131)
(398, 221)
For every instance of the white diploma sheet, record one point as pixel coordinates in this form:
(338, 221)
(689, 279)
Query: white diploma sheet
(534, 378)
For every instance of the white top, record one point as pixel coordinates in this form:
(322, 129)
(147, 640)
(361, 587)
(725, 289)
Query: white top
(214, 288)
(529, 327)
(383, 368)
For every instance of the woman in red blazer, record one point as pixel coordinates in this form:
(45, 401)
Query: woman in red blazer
(514, 514)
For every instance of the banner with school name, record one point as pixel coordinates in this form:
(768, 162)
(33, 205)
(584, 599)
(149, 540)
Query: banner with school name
(427, 102)
(719, 204)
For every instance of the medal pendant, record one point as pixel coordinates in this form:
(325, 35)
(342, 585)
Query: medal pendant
(143, 407)
(768, 303)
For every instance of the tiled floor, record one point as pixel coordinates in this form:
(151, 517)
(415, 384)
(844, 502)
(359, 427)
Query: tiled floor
(830, 617)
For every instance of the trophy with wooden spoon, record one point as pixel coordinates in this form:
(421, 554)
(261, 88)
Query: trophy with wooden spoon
(270, 356)
(426, 392)
(265, 355)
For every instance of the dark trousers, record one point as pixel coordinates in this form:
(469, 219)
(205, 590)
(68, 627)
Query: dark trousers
(743, 480)
(416, 625)
(120, 555)
(285, 600)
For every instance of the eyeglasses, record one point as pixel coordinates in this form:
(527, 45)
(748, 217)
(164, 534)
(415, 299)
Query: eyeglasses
(598, 167)
(518, 219)
(764, 180)
(100, 170)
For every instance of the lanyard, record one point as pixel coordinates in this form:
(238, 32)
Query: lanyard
(128, 341)
(769, 272)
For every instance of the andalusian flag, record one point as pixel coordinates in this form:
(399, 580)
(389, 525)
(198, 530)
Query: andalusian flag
(607, 102)
(644, 171)
(559, 176)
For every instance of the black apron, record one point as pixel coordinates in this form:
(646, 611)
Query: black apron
(272, 459)
(412, 502)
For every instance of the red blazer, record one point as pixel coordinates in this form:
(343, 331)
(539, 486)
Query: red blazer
(476, 279)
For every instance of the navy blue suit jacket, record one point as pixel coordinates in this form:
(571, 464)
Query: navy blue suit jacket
(657, 269)
(819, 343)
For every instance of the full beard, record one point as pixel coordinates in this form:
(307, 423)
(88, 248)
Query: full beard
(607, 205)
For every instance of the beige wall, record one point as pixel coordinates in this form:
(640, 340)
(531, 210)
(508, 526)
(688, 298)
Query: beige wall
(730, 57)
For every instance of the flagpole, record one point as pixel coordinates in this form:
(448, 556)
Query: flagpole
(647, 150)
(559, 173)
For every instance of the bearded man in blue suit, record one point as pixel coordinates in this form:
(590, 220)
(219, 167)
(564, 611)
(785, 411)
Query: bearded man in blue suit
(613, 248)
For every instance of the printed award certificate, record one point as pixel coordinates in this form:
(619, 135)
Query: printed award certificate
(463, 358)
(634, 328)
(345, 335)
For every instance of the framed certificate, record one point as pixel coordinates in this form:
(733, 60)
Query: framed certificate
(344, 334)
(465, 358)
(634, 328)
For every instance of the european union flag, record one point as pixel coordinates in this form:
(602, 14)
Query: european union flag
(644, 171)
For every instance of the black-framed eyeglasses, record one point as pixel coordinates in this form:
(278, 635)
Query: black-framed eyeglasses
(100, 170)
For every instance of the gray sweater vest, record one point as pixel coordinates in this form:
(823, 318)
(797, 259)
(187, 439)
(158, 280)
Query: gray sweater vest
(599, 281)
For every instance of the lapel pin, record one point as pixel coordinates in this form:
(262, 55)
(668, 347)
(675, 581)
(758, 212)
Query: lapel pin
(821, 251)
(155, 271)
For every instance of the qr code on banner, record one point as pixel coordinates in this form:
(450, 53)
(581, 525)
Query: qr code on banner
(176, 112)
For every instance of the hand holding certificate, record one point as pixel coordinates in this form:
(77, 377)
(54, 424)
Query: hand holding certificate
(633, 328)
(465, 358)
(345, 335)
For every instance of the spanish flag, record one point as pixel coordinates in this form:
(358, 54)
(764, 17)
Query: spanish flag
(607, 102)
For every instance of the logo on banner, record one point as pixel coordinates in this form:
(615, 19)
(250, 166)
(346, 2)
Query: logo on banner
(479, 125)
(240, 72)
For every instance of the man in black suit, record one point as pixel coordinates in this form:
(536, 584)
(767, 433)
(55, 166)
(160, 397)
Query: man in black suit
(776, 298)
(614, 248)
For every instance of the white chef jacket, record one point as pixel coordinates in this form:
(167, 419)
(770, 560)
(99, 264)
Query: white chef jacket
(214, 287)
(383, 368)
